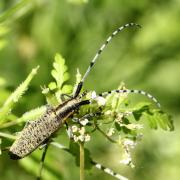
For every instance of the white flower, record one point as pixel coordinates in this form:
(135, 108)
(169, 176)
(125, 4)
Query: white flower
(75, 138)
(81, 138)
(129, 143)
(82, 130)
(69, 132)
(93, 95)
(111, 132)
(128, 113)
(134, 126)
(101, 101)
(126, 161)
(84, 122)
(119, 118)
(87, 137)
(74, 129)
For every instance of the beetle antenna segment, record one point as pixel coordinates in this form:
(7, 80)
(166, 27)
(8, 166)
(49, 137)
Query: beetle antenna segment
(99, 52)
(108, 171)
(132, 92)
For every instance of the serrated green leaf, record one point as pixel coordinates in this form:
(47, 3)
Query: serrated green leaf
(164, 120)
(161, 122)
(152, 121)
(139, 109)
(61, 75)
(60, 71)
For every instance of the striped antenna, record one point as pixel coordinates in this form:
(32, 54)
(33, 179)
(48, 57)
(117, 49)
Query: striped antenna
(132, 92)
(108, 171)
(104, 45)
(99, 52)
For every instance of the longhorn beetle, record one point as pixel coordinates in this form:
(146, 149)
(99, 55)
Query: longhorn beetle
(38, 132)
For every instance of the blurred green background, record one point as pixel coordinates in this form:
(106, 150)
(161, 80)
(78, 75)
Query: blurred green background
(147, 59)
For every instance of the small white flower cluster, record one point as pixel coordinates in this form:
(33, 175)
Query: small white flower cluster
(84, 122)
(128, 144)
(119, 118)
(126, 160)
(100, 100)
(79, 134)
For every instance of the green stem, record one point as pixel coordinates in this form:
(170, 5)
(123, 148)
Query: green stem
(104, 134)
(5, 135)
(81, 145)
(8, 124)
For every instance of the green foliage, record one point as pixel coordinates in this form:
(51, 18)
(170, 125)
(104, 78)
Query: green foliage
(113, 122)
(57, 87)
(147, 59)
(3, 42)
(77, 1)
(15, 96)
(155, 116)
(14, 11)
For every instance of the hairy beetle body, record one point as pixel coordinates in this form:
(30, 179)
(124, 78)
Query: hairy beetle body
(37, 132)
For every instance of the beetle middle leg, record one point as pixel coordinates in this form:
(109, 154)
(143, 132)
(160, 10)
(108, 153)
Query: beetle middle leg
(44, 146)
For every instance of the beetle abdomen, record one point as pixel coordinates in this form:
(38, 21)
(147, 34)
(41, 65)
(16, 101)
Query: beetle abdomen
(34, 134)
(37, 132)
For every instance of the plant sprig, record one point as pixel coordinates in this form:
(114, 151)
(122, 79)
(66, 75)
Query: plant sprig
(116, 119)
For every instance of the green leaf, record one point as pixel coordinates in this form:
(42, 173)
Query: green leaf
(67, 89)
(52, 86)
(16, 95)
(158, 118)
(32, 114)
(60, 71)
(60, 75)
(139, 109)
(117, 126)
(50, 97)
(152, 121)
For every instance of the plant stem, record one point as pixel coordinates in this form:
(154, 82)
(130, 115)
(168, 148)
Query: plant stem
(81, 146)
(104, 134)
(5, 135)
